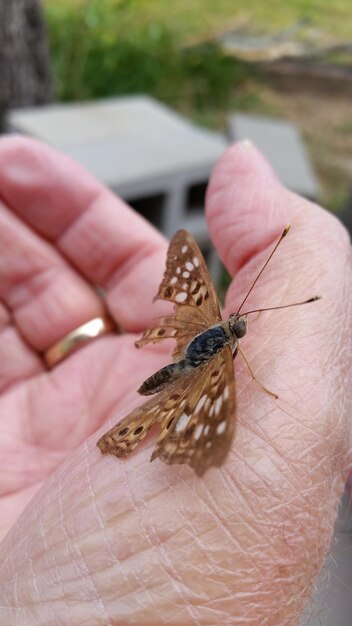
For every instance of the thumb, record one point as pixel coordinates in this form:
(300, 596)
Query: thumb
(247, 210)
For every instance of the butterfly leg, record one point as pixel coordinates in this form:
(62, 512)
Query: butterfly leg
(271, 393)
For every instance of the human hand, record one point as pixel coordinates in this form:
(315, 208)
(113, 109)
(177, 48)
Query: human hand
(118, 542)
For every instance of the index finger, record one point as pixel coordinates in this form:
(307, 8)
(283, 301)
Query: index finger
(110, 244)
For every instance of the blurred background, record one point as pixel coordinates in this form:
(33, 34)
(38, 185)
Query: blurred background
(148, 93)
(289, 60)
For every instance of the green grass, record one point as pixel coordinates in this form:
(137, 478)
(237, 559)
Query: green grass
(191, 18)
(100, 51)
(112, 47)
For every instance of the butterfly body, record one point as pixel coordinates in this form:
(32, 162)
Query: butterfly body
(200, 350)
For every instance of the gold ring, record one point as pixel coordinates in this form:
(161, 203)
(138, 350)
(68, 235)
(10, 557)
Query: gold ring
(78, 338)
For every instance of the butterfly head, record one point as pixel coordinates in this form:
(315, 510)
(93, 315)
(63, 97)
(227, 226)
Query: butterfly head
(238, 325)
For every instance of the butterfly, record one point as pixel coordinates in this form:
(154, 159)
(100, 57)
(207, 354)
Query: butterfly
(193, 397)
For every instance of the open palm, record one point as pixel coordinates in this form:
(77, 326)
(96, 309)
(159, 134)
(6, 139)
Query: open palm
(273, 503)
(61, 234)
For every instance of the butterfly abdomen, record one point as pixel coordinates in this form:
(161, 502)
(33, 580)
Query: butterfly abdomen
(164, 377)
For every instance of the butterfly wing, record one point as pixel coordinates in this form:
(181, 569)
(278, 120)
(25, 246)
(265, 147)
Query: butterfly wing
(202, 433)
(196, 412)
(197, 417)
(122, 438)
(164, 407)
(188, 285)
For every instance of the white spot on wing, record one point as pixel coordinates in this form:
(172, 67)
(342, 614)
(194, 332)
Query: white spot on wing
(182, 422)
(173, 280)
(185, 286)
(218, 404)
(195, 261)
(186, 274)
(178, 270)
(206, 430)
(198, 431)
(200, 403)
(181, 297)
(220, 429)
(207, 404)
(226, 393)
(184, 249)
(189, 266)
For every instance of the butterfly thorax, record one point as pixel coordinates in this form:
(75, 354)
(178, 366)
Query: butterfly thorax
(205, 345)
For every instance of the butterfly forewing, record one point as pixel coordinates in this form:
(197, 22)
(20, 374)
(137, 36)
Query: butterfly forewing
(188, 285)
(186, 279)
(201, 434)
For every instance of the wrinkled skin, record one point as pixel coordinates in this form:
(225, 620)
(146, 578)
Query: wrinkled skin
(95, 540)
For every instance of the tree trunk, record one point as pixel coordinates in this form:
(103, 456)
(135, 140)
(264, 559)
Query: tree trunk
(25, 77)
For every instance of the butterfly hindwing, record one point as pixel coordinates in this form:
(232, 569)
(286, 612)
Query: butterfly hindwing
(177, 326)
(202, 433)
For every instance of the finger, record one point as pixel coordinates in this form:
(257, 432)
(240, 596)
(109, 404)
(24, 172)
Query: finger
(17, 359)
(45, 296)
(105, 240)
(288, 350)
(245, 208)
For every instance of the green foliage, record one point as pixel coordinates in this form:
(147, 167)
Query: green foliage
(105, 48)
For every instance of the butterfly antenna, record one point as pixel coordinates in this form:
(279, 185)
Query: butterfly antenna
(283, 234)
(284, 306)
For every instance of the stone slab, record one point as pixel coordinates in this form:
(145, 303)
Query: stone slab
(123, 141)
(282, 144)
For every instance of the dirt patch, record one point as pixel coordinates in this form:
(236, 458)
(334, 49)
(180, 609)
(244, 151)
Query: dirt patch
(326, 122)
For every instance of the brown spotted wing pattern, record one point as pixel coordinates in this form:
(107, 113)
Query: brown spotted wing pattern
(188, 285)
(202, 432)
(196, 412)
(196, 415)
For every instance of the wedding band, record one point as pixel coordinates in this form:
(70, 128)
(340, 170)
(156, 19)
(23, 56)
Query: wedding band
(78, 338)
